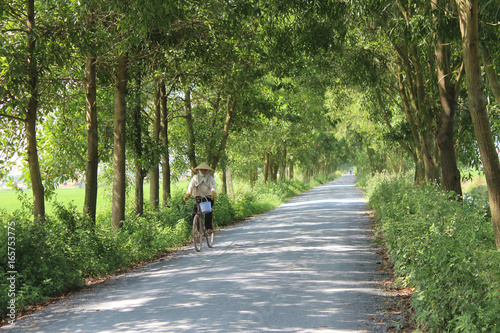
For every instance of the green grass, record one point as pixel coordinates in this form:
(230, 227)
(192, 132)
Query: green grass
(9, 199)
(476, 186)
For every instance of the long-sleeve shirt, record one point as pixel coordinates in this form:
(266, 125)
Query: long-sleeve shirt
(203, 189)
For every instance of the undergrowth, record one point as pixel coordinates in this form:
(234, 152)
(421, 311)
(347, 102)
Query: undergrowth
(443, 248)
(53, 258)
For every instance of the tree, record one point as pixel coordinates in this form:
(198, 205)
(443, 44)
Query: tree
(448, 93)
(154, 174)
(469, 27)
(91, 172)
(164, 145)
(429, 75)
(31, 116)
(119, 153)
(137, 132)
(90, 86)
(20, 89)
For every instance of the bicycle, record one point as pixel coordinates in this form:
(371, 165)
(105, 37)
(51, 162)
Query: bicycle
(202, 207)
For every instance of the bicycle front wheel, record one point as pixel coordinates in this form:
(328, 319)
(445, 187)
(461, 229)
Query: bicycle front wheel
(197, 232)
(210, 238)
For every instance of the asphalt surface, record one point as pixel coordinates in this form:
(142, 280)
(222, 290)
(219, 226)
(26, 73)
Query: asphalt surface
(306, 266)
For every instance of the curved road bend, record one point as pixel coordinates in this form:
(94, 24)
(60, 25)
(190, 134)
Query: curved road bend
(306, 266)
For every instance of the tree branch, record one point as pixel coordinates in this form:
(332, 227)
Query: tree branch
(10, 117)
(490, 72)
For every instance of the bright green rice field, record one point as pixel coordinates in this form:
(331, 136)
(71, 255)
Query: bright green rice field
(10, 202)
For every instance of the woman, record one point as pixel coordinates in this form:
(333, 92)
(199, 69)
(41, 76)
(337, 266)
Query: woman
(203, 184)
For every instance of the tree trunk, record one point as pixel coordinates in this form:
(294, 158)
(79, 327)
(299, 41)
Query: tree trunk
(274, 171)
(417, 156)
(405, 145)
(224, 182)
(266, 167)
(166, 190)
(31, 118)
(412, 91)
(283, 164)
(139, 178)
(490, 73)
(119, 181)
(451, 181)
(91, 172)
(253, 173)
(190, 129)
(468, 16)
(154, 174)
(139, 189)
(230, 110)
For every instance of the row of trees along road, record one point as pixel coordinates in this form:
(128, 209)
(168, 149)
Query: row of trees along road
(265, 86)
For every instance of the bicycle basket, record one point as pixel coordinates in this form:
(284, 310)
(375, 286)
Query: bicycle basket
(205, 207)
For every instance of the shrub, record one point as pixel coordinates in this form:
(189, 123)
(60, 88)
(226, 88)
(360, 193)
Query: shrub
(444, 249)
(43, 261)
(224, 213)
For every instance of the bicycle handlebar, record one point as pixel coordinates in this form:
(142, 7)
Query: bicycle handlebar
(200, 197)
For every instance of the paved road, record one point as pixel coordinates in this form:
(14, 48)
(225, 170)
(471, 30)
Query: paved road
(306, 266)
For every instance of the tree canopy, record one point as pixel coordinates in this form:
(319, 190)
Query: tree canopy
(269, 88)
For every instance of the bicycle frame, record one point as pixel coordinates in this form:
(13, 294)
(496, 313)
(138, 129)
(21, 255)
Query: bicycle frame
(199, 231)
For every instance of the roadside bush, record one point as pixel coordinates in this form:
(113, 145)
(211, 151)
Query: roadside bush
(444, 249)
(42, 259)
(224, 213)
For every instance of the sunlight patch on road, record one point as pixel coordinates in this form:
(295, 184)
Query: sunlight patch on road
(319, 202)
(121, 305)
(338, 185)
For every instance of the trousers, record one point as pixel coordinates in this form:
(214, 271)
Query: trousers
(208, 216)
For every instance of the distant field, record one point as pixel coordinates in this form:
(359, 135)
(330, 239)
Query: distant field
(10, 202)
(476, 186)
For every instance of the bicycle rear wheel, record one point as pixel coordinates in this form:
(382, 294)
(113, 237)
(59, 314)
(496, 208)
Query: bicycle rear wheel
(197, 232)
(210, 238)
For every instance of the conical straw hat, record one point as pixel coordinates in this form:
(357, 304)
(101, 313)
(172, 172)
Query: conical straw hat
(204, 166)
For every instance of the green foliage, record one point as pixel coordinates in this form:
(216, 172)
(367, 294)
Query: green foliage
(224, 213)
(444, 249)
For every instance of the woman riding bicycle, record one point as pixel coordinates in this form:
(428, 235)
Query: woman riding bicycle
(203, 184)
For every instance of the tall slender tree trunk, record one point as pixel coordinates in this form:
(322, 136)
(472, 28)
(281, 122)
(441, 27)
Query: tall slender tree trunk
(468, 16)
(490, 72)
(139, 177)
(417, 156)
(422, 118)
(447, 91)
(119, 180)
(190, 129)
(154, 174)
(139, 189)
(31, 118)
(91, 171)
(412, 91)
(283, 164)
(266, 167)
(164, 143)
(274, 171)
(224, 182)
(231, 104)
